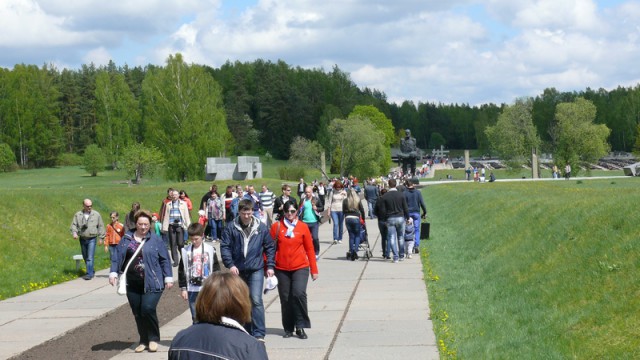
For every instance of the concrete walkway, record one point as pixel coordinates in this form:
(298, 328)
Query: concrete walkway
(359, 310)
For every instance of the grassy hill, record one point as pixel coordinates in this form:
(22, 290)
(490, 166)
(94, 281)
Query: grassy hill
(535, 270)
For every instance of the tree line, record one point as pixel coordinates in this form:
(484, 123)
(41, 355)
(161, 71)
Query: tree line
(190, 112)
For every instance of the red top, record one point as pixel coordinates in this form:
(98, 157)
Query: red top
(296, 252)
(114, 233)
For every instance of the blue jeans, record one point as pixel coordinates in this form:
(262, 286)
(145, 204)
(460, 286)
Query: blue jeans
(416, 227)
(144, 305)
(355, 230)
(372, 209)
(255, 281)
(216, 228)
(382, 227)
(395, 229)
(191, 297)
(337, 217)
(88, 247)
(313, 228)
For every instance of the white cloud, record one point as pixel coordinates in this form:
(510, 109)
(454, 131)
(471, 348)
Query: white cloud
(444, 51)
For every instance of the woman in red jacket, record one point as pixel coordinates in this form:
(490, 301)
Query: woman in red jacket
(295, 259)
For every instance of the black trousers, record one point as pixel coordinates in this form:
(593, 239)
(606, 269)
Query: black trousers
(382, 227)
(143, 305)
(292, 288)
(176, 242)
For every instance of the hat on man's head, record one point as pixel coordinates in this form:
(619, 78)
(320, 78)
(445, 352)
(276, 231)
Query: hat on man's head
(270, 284)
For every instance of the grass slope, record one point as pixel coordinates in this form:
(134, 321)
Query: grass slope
(535, 270)
(38, 205)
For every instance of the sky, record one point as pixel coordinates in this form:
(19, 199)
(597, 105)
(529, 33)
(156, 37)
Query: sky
(438, 51)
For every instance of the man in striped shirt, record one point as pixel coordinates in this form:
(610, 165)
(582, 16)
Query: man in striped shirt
(266, 198)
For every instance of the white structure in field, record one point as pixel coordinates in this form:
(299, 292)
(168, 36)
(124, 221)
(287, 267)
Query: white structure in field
(247, 168)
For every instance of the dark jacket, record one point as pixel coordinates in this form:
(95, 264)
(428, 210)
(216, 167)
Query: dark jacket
(232, 246)
(204, 341)
(414, 201)
(393, 204)
(371, 193)
(155, 257)
(352, 212)
(280, 202)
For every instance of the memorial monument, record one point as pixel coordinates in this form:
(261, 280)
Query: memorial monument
(408, 153)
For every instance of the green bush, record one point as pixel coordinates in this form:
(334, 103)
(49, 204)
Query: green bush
(94, 160)
(7, 158)
(292, 173)
(69, 159)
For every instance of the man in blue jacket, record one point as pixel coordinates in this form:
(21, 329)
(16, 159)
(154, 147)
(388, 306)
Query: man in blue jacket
(244, 241)
(415, 202)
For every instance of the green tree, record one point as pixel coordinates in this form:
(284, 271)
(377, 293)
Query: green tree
(185, 117)
(384, 126)
(360, 147)
(580, 141)
(141, 161)
(514, 135)
(29, 104)
(94, 159)
(117, 113)
(7, 158)
(307, 153)
(436, 140)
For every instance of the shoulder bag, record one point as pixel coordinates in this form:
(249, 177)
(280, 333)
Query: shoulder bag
(121, 288)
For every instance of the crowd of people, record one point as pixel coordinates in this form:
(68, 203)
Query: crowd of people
(263, 239)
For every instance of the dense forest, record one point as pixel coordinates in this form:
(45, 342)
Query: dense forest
(258, 106)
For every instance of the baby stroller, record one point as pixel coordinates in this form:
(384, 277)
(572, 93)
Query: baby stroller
(364, 242)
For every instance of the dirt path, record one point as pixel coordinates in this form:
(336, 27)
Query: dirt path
(105, 337)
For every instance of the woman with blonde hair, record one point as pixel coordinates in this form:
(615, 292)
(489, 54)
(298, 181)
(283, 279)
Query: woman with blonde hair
(222, 306)
(353, 215)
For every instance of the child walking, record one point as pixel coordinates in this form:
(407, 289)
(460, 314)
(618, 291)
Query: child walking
(409, 238)
(115, 232)
(197, 261)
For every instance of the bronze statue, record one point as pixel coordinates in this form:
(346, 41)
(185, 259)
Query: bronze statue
(408, 152)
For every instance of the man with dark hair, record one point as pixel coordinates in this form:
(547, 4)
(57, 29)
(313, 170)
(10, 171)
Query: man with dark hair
(415, 202)
(244, 241)
(394, 207)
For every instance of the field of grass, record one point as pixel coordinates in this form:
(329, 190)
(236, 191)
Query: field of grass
(535, 270)
(35, 244)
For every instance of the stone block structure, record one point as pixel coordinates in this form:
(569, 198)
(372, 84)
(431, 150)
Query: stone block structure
(247, 168)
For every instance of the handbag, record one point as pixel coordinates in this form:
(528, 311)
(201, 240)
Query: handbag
(121, 287)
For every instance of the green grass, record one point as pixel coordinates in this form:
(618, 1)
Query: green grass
(536, 270)
(35, 244)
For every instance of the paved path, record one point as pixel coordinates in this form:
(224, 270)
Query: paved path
(359, 310)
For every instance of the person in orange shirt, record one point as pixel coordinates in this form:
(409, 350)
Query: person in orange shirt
(295, 260)
(115, 232)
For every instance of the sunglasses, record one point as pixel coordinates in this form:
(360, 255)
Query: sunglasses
(292, 211)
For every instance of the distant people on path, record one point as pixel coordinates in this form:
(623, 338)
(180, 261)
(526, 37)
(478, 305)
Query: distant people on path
(338, 194)
(244, 242)
(218, 333)
(214, 212)
(267, 198)
(555, 172)
(415, 203)
(227, 198)
(87, 226)
(395, 209)
(129, 220)
(371, 194)
(353, 217)
(197, 263)
(148, 274)
(115, 232)
(492, 177)
(382, 227)
(567, 171)
(278, 205)
(322, 192)
(301, 186)
(309, 214)
(295, 260)
(175, 222)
